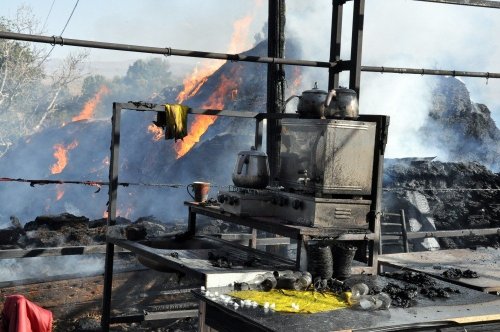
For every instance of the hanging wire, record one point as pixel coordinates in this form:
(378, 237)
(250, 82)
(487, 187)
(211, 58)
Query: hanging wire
(65, 26)
(439, 189)
(47, 18)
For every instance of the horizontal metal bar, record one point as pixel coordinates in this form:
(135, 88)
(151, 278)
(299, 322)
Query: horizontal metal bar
(423, 71)
(58, 40)
(475, 3)
(55, 251)
(454, 233)
(144, 107)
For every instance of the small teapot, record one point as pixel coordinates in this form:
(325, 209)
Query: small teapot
(341, 103)
(251, 169)
(310, 102)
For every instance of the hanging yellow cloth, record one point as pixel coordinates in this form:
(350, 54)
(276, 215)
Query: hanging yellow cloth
(308, 302)
(176, 121)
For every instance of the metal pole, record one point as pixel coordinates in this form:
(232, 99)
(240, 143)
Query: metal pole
(357, 45)
(335, 43)
(112, 194)
(404, 231)
(275, 77)
(423, 71)
(58, 40)
(475, 3)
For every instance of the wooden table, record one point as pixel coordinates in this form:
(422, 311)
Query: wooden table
(484, 261)
(466, 309)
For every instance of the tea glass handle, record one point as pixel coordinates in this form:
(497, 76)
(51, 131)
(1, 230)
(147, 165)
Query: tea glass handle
(187, 188)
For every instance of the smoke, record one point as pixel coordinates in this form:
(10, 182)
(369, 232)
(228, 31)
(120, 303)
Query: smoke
(404, 34)
(40, 267)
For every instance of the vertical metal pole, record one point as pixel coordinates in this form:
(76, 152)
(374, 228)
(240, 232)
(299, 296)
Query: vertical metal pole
(275, 81)
(112, 196)
(357, 45)
(258, 133)
(191, 231)
(376, 205)
(335, 42)
(404, 234)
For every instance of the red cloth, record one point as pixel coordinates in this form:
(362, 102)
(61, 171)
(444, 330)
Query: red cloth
(21, 315)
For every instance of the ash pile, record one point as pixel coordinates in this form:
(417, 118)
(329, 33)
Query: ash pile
(444, 196)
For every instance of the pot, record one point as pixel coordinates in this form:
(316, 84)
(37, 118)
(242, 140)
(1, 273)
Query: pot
(310, 103)
(251, 169)
(341, 103)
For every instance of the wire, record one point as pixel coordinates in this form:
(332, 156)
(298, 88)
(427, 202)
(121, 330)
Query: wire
(70, 16)
(47, 18)
(440, 189)
(65, 26)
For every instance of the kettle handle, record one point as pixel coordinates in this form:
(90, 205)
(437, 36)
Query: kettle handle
(242, 161)
(331, 94)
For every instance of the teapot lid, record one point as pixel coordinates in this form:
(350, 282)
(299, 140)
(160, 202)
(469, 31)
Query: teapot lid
(253, 152)
(315, 90)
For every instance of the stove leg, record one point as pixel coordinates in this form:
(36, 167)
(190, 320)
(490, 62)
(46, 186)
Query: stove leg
(252, 243)
(191, 223)
(301, 259)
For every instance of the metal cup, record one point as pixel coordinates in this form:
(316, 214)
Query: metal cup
(199, 191)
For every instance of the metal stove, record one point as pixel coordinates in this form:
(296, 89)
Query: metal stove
(325, 179)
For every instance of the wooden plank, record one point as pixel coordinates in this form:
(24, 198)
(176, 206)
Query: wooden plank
(484, 261)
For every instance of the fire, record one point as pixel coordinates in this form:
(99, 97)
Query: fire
(60, 191)
(89, 107)
(61, 155)
(156, 131)
(227, 87)
(201, 123)
(296, 80)
(239, 38)
(119, 213)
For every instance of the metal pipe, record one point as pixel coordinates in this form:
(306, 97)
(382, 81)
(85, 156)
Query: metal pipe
(335, 42)
(58, 40)
(423, 71)
(475, 3)
(358, 17)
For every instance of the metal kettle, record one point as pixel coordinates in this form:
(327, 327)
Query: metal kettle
(251, 169)
(341, 103)
(310, 102)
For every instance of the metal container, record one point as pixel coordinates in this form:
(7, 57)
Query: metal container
(251, 170)
(341, 103)
(326, 156)
(311, 103)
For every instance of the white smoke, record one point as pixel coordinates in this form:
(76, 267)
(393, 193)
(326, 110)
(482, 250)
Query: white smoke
(405, 34)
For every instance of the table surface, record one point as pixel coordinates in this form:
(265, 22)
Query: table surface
(277, 226)
(246, 262)
(484, 261)
(467, 307)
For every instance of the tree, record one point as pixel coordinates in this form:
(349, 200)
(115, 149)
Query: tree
(28, 95)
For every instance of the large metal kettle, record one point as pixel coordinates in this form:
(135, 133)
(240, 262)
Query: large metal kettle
(251, 169)
(341, 103)
(310, 103)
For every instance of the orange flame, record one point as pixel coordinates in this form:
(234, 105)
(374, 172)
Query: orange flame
(201, 123)
(60, 191)
(156, 131)
(88, 109)
(119, 213)
(61, 155)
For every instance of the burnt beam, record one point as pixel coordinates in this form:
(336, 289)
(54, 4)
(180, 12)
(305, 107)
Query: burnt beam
(475, 3)
(335, 42)
(357, 45)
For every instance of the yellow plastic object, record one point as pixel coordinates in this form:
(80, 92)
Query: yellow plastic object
(303, 301)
